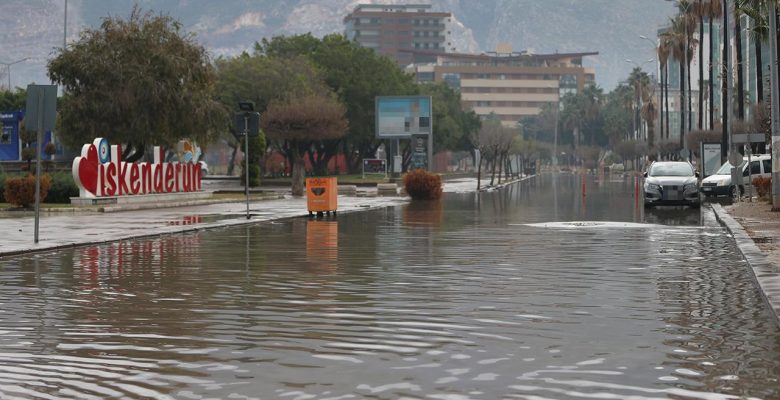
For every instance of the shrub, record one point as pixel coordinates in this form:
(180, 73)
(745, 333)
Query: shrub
(763, 186)
(20, 191)
(422, 185)
(62, 188)
(2, 186)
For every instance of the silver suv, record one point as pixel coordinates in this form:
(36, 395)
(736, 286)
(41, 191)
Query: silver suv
(671, 183)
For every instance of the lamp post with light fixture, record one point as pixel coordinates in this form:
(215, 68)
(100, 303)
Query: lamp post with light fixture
(8, 69)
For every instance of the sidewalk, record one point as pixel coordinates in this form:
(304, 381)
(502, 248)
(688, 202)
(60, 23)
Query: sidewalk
(59, 230)
(756, 230)
(93, 225)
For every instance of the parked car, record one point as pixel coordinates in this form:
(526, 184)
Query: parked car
(671, 183)
(719, 183)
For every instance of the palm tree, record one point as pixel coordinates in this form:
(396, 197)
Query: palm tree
(676, 37)
(740, 76)
(700, 10)
(664, 49)
(757, 11)
(688, 17)
(638, 79)
(715, 11)
(593, 97)
(649, 113)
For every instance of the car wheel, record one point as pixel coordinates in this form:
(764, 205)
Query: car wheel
(648, 205)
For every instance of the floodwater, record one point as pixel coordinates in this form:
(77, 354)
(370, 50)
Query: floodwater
(531, 292)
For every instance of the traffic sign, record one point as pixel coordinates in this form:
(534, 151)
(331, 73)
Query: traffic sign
(735, 158)
(249, 121)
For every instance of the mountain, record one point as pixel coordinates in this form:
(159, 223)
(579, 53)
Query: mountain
(34, 28)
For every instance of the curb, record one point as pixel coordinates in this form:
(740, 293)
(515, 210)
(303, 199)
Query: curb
(765, 274)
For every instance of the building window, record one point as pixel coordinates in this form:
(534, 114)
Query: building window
(425, 77)
(453, 80)
(483, 104)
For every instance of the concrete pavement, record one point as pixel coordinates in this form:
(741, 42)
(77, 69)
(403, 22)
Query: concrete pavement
(58, 230)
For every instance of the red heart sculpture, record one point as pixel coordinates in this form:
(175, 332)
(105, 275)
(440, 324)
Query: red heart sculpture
(87, 166)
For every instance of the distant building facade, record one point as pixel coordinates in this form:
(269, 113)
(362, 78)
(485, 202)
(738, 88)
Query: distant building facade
(391, 28)
(508, 84)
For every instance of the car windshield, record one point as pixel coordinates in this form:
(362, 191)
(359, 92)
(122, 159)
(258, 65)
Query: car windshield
(725, 169)
(671, 169)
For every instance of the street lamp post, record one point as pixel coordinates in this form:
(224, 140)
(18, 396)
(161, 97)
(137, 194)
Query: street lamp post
(8, 69)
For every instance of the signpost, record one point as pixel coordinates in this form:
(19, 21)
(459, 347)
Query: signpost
(710, 156)
(374, 166)
(42, 114)
(249, 119)
(407, 117)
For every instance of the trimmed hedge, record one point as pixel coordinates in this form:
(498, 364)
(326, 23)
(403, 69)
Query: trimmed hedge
(62, 188)
(20, 191)
(763, 186)
(422, 185)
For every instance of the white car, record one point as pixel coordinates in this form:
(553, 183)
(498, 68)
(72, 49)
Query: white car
(719, 183)
(671, 183)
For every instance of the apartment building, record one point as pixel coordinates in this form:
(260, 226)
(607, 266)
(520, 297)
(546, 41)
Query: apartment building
(390, 28)
(511, 85)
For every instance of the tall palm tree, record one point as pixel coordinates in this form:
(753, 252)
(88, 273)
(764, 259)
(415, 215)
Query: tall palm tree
(740, 68)
(757, 11)
(593, 97)
(700, 10)
(649, 114)
(688, 16)
(676, 36)
(715, 11)
(637, 79)
(664, 48)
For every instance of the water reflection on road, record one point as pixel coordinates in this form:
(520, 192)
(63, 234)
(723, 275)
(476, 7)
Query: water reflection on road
(534, 291)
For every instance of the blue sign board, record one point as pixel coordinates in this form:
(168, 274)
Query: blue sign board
(399, 117)
(10, 143)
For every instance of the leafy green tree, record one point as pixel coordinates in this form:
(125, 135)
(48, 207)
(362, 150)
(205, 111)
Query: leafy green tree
(262, 79)
(13, 100)
(357, 75)
(618, 114)
(140, 81)
(300, 122)
(452, 125)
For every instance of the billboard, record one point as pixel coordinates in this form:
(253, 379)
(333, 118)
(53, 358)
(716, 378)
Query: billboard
(400, 117)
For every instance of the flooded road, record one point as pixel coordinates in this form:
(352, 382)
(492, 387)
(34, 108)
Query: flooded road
(531, 292)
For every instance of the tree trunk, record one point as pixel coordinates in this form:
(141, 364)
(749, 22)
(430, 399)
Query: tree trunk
(740, 69)
(759, 72)
(724, 85)
(689, 97)
(479, 173)
(666, 100)
(663, 83)
(700, 118)
(682, 103)
(232, 164)
(712, 83)
(493, 170)
(298, 171)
